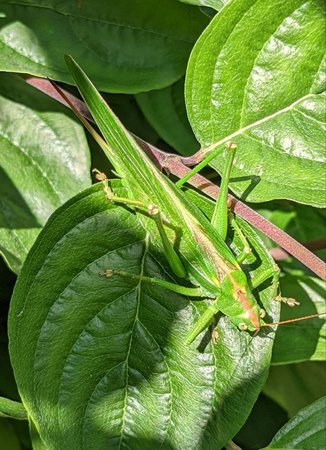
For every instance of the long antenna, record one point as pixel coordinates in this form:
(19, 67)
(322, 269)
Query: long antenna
(312, 316)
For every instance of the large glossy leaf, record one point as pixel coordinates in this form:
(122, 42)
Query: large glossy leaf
(255, 77)
(101, 363)
(294, 386)
(44, 160)
(307, 430)
(125, 48)
(166, 112)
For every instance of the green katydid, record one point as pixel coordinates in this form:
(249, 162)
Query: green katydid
(202, 256)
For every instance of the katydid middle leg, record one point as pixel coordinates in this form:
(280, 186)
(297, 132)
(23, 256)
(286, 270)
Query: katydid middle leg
(199, 166)
(206, 320)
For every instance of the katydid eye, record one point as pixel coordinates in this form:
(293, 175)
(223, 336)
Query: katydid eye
(262, 313)
(243, 326)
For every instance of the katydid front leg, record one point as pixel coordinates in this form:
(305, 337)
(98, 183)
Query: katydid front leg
(154, 212)
(220, 214)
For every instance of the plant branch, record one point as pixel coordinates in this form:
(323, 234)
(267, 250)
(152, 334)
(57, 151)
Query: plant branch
(279, 254)
(176, 165)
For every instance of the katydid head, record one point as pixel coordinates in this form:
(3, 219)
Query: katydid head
(249, 320)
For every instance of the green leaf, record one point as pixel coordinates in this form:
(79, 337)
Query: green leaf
(215, 4)
(44, 160)
(305, 340)
(101, 362)
(296, 220)
(307, 430)
(294, 386)
(165, 110)
(255, 77)
(124, 49)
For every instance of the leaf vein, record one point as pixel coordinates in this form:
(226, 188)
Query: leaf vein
(241, 122)
(34, 163)
(131, 338)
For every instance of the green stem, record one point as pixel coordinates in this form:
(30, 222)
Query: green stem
(12, 409)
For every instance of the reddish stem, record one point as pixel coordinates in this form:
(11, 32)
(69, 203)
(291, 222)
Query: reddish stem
(176, 165)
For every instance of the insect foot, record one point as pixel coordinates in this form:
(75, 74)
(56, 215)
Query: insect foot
(231, 145)
(214, 336)
(153, 210)
(287, 300)
(108, 273)
(99, 176)
(262, 313)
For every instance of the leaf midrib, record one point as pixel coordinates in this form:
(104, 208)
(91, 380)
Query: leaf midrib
(106, 22)
(259, 122)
